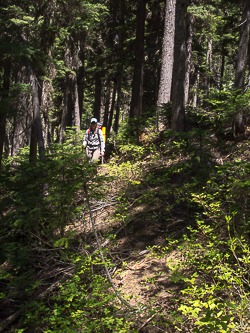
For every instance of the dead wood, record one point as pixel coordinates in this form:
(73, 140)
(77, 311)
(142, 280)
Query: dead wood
(15, 315)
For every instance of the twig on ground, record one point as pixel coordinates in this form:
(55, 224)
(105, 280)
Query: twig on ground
(147, 321)
(101, 254)
(15, 315)
(108, 240)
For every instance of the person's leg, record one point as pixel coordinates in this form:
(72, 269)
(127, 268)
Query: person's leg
(89, 153)
(96, 154)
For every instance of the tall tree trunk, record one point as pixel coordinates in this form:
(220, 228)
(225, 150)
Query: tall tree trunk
(208, 66)
(66, 120)
(69, 89)
(154, 55)
(238, 123)
(164, 94)
(76, 117)
(112, 107)
(6, 87)
(36, 108)
(118, 104)
(222, 67)
(43, 108)
(179, 70)
(156, 74)
(80, 80)
(197, 76)
(7, 140)
(33, 144)
(189, 56)
(120, 66)
(98, 94)
(106, 106)
(195, 88)
(137, 84)
(46, 102)
(22, 122)
(76, 113)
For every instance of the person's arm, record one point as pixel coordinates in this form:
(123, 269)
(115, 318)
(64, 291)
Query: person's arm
(85, 140)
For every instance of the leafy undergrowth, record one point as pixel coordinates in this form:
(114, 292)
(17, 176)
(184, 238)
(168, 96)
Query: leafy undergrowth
(176, 217)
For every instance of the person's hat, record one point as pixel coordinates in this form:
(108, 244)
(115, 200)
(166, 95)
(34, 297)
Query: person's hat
(93, 120)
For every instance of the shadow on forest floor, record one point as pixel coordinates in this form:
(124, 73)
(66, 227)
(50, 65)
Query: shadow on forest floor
(158, 209)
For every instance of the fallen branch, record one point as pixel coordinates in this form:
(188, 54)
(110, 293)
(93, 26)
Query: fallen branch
(15, 315)
(147, 321)
(101, 254)
(108, 240)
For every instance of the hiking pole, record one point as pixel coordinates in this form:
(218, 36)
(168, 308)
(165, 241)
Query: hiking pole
(104, 138)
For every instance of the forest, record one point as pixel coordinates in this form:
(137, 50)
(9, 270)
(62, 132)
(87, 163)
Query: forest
(156, 237)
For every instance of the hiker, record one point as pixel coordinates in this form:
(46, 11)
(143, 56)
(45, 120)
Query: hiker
(93, 141)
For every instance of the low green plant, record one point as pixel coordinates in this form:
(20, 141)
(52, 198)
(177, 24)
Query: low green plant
(216, 294)
(84, 302)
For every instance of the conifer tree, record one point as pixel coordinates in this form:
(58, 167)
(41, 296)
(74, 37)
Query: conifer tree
(164, 95)
(137, 84)
(179, 69)
(238, 124)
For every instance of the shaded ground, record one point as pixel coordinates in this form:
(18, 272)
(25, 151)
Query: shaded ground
(145, 276)
(140, 274)
(148, 222)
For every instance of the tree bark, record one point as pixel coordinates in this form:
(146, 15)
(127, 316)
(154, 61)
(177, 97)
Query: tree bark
(66, 120)
(238, 123)
(137, 84)
(112, 108)
(36, 110)
(76, 118)
(6, 87)
(106, 106)
(80, 79)
(120, 66)
(197, 75)
(118, 104)
(76, 114)
(33, 144)
(164, 94)
(189, 56)
(179, 70)
(98, 94)
(195, 88)
(208, 66)
(22, 122)
(222, 68)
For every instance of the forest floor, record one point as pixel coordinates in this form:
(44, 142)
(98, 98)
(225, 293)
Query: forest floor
(146, 205)
(142, 266)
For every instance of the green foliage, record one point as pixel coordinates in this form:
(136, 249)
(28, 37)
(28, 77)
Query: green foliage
(226, 103)
(44, 194)
(216, 295)
(217, 292)
(83, 301)
(129, 130)
(213, 258)
(39, 206)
